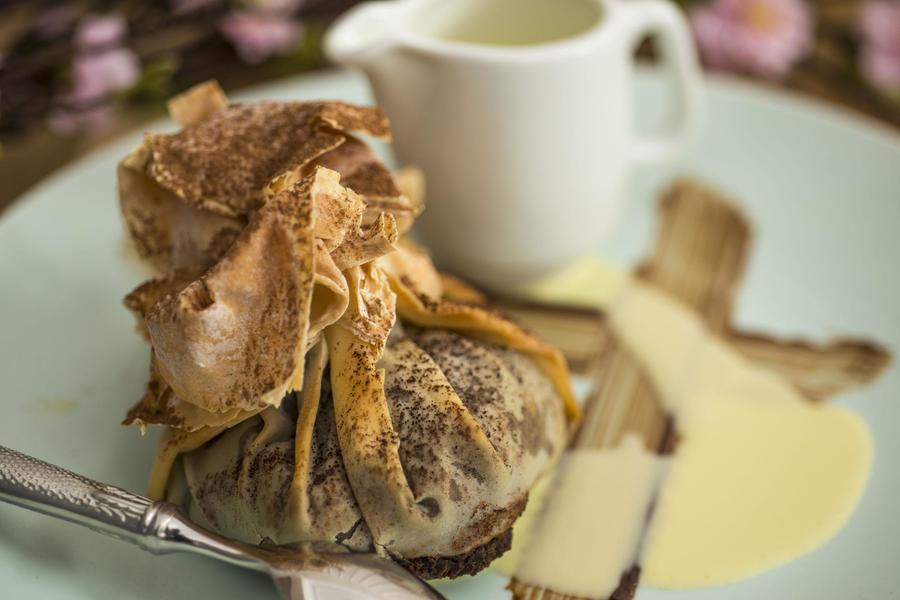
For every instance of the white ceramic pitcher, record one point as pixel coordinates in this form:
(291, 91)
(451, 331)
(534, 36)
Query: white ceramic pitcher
(520, 112)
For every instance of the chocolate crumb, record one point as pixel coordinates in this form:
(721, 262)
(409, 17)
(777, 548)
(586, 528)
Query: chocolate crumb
(468, 563)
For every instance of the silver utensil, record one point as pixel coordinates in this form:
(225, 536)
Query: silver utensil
(302, 572)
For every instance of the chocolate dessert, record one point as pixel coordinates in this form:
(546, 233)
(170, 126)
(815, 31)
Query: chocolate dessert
(315, 381)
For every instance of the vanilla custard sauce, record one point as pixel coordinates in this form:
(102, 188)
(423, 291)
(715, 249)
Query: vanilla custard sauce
(760, 475)
(509, 22)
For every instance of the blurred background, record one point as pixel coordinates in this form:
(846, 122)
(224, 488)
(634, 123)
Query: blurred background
(74, 74)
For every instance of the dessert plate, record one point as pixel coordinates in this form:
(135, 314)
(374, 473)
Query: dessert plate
(822, 187)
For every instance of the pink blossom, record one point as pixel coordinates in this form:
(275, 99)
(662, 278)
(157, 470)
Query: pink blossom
(257, 35)
(99, 31)
(98, 75)
(879, 57)
(763, 37)
(101, 67)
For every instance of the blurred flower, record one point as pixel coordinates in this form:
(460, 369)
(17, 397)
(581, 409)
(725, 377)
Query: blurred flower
(258, 35)
(96, 76)
(764, 37)
(99, 31)
(101, 67)
(879, 57)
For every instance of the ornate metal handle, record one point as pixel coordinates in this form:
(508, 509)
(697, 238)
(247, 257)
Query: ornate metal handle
(49, 489)
(155, 526)
(160, 527)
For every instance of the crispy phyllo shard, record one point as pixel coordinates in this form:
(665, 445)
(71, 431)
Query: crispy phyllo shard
(411, 263)
(411, 182)
(223, 163)
(406, 207)
(144, 297)
(457, 290)
(247, 287)
(233, 338)
(365, 245)
(362, 171)
(160, 406)
(198, 103)
(339, 210)
(372, 309)
(186, 195)
(166, 232)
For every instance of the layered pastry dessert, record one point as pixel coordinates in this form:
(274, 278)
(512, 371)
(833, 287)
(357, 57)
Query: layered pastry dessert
(317, 378)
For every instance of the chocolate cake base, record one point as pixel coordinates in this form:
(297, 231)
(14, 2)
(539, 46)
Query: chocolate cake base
(469, 563)
(477, 559)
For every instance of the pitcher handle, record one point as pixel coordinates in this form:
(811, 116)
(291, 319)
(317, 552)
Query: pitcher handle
(362, 33)
(665, 22)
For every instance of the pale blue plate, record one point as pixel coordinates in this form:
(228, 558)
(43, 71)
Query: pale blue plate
(822, 187)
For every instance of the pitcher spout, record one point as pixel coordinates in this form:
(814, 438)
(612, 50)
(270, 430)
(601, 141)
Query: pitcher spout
(363, 34)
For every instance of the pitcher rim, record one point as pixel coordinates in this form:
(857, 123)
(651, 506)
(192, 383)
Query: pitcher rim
(581, 43)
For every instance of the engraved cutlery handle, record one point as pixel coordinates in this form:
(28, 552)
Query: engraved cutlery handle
(46, 488)
(160, 527)
(155, 526)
